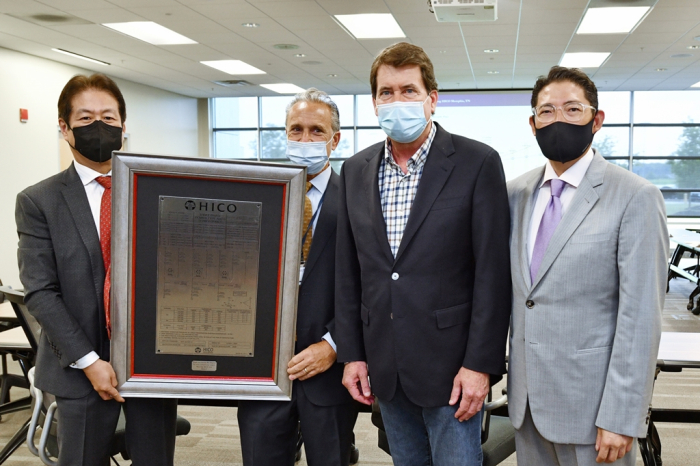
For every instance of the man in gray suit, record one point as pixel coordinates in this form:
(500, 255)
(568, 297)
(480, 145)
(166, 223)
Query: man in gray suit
(589, 247)
(64, 232)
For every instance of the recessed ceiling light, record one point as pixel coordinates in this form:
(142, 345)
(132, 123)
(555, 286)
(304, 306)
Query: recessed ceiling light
(371, 26)
(285, 46)
(491, 51)
(250, 25)
(661, 69)
(615, 20)
(681, 55)
(332, 75)
(443, 51)
(150, 32)
(584, 59)
(283, 88)
(82, 57)
(300, 55)
(234, 67)
(693, 47)
(493, 72)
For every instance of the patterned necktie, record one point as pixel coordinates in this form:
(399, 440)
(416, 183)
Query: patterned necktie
(308, 214)
(550, 220)
(106, 241)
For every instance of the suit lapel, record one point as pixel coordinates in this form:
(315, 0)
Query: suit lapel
(581, 204)
(74, 193)
(436, 171)
(525, 214)
(370, 180)
(325, 228)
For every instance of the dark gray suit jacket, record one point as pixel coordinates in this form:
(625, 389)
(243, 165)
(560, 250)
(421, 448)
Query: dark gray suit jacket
(316, 308)
(62, 271)
(444, 302)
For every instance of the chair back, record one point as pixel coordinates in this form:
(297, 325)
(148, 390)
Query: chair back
(29, 324)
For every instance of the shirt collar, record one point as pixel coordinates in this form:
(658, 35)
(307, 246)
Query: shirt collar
(420, 155)
(87, 175)
(320, 181)
(574, 175)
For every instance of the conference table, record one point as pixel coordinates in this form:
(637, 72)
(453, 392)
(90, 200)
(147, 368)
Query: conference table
(677, 351)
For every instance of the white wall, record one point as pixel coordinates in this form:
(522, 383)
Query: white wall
(157, 122)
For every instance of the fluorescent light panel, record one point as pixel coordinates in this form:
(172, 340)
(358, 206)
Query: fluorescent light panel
(283, 88)
(150, 32)
(697, 84)
(234, 67)
(371, 26)
(82, 57)
(615, 20)
(584, 59)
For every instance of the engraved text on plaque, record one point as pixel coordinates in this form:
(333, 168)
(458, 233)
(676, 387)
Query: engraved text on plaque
(208, 253)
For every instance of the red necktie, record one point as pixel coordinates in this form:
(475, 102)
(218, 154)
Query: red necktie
(106, 240)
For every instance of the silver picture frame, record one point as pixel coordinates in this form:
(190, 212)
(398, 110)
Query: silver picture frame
(129, 167)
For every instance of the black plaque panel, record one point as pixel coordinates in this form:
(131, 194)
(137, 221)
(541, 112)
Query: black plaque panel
(148, 190)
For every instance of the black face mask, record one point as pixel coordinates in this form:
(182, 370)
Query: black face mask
(97, 140)
(564, 142)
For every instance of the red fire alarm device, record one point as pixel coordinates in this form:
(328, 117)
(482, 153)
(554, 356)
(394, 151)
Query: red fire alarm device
(23, 115)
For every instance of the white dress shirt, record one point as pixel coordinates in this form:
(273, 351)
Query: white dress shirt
(573, 177)
(94, 191)
(320, 183)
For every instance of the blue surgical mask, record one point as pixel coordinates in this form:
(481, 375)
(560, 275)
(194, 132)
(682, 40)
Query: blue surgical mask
(312, 155)
(402, 121)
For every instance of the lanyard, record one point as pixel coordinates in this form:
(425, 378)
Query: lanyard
(311, 222)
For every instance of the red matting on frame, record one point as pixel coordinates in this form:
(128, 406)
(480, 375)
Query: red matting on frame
(133, 283)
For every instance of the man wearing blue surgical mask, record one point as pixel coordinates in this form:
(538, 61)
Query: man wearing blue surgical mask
(422, 289)
(320, 404)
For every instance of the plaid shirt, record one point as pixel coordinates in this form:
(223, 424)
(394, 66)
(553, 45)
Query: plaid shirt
(397, 190)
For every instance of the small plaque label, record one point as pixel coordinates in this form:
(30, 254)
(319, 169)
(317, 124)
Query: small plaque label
(208, 366)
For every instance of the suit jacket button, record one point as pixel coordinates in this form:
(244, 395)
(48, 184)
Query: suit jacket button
(530, 304)
(391, 316)
(394, 276)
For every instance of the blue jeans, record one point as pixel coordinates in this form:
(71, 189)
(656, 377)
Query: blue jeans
(430, 436)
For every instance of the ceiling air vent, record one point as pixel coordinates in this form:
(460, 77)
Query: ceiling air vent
(233, 82)
(464, 10)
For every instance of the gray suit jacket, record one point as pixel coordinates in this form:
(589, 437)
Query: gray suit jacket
(585, 335)
(61, 269)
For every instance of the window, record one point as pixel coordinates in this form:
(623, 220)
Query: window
(253, 127)
(656, 134)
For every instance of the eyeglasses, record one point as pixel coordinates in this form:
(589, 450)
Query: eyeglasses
(573, 112)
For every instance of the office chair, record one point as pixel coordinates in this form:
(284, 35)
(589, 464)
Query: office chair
(21, 343)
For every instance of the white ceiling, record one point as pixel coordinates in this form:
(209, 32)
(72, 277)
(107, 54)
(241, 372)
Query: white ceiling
(531, 35)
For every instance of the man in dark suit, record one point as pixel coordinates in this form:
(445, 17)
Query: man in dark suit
(63, 224)
(422, 284)
(320, 403)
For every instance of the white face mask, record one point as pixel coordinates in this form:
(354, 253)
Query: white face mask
(402, 121)
(312, 155)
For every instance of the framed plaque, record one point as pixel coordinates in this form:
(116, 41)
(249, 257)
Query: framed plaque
(205, 275)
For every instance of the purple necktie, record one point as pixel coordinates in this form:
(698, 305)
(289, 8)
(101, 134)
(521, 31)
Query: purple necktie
(550, 220)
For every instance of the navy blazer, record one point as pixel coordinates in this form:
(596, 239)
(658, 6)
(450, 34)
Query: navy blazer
(444, 302)
(316, 305)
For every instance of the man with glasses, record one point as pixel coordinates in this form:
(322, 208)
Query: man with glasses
(588, 259)
(320, 404)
